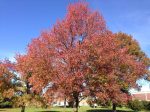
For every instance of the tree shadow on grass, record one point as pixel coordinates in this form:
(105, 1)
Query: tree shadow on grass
(2, 110)
(51, 111)
(47, 111)
(106, 110)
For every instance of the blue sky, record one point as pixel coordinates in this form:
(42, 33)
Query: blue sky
(23, 20)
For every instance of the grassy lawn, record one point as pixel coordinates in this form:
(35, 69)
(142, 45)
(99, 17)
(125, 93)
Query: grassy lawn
(57, 109)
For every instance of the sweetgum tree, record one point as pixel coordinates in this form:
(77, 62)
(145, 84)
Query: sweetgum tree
(79, 57)
(56, 58)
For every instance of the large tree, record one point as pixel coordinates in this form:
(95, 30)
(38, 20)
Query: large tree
(56, 57)
(79, 57)
(132, 47)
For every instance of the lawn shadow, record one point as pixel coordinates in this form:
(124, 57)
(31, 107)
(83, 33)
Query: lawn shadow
(105, 110)
(51, 111)
(2, 110)
(47, 111)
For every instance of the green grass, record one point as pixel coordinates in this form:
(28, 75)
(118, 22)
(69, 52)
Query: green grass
(58, 109)
(19, 110)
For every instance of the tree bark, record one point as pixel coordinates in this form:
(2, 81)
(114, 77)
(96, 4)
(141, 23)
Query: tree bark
(114, 107)
(65, 102)
(77, 104)
(76, 99)
(28, 87)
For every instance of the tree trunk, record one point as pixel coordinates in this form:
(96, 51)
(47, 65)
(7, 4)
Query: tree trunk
(114, 107)
(76, 99)
(77, 104)
(22, 108)
(28, 87)
(65, 102)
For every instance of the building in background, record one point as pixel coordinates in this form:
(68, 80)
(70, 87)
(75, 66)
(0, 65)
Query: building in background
(141, 95)
(144, 93)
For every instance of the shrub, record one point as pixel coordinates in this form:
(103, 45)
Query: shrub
(136, 105)
(146, 105)
(120, 105)
(6, 104)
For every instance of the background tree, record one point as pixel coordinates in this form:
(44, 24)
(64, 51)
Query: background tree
(6, 81)
(112, 70)
(133, 48)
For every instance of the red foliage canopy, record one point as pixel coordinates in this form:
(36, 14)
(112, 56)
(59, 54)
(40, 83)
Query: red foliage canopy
(80, 55)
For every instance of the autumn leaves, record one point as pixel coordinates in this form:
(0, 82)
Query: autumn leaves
(79, 57)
